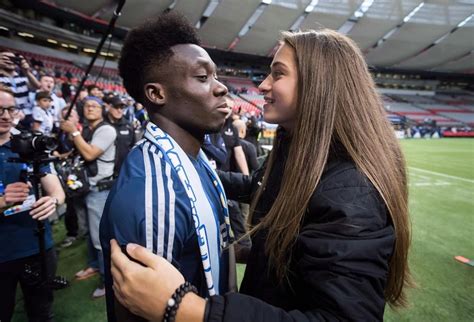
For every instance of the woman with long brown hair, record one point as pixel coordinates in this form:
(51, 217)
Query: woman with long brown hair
(329, 217)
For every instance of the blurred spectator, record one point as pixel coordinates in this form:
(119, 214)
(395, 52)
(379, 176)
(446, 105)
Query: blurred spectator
(94, 90)
(47, 83)
(66, 88)
(75, 219)
(253, 131)
(80, 104)
(19, 83)
(214, 148)
(140, 114)
(43, 119)
(125, 132)
(235, 155)
(235, 162)
(249, 149)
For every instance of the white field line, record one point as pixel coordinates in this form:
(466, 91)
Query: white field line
(429, 184)
(442, 175)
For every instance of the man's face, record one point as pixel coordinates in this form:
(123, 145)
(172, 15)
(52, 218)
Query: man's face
(5, 61)
(96, 92)
(194, 97)
(6, 100)
(47, 84)
(116, 111)
(83, 94)
(92, 110)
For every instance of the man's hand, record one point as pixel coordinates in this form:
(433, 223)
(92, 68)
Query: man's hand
(6, 62)
(16, 192)
(43, 208)
(24, 64)
(68, 126)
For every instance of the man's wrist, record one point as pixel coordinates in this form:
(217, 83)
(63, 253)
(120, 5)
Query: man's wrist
(75, 133)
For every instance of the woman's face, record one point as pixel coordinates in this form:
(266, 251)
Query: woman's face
(280, 89)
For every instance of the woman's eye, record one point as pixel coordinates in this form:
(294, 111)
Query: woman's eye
(276, 73)
(202, 77)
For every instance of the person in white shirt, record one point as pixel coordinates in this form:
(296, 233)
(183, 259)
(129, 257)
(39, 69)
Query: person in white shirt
(47, 83)
(43, 118)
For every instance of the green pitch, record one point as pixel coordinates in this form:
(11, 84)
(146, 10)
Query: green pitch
(442, 214)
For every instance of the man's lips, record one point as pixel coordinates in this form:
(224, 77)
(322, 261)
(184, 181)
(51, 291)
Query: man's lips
(223, 108)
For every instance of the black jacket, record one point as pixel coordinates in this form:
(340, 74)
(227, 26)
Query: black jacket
(340, 259)
(250, 152)
(124, 141)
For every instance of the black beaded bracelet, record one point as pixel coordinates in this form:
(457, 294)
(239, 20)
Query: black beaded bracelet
(173, 303)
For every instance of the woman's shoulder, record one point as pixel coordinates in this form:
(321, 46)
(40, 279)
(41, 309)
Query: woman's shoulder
(346, 197)
(342, 173)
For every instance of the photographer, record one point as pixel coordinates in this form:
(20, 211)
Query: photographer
(17, 231)
(19, 83)
(96, 144)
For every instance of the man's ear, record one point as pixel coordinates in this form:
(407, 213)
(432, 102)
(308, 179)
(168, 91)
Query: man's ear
(155, 93)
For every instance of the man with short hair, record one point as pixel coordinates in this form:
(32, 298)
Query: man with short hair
(95, 90)
(125, 132)
(249, 149)
(96, 144)
(19, 82)
(167, 196)
(20, 245)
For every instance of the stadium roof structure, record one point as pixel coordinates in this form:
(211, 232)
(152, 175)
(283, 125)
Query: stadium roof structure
(431, 35)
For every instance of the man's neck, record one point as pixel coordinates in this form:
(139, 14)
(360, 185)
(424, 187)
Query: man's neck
(4, 138)
(112, 119)
(93, 124)
(9, 73)
(189, 142)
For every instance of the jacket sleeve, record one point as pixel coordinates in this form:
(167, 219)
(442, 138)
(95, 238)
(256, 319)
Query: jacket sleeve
(236, 185)
(340, 261)
(215, 149)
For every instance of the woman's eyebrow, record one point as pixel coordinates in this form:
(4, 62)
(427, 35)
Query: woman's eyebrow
(277, 64)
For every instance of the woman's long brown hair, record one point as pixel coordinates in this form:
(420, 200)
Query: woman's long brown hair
(337, 101)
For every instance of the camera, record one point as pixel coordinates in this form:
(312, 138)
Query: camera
(16, 59)
(33, 145)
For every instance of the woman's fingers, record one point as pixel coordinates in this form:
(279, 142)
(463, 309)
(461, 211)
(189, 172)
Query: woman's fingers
(143, 255)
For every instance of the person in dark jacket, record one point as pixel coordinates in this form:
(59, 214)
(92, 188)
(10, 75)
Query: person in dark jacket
(250, 150)
(330, 226)
(125, 132)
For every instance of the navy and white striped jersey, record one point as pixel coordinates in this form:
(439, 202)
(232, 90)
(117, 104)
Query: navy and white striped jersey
(19, 85)
(148, 205)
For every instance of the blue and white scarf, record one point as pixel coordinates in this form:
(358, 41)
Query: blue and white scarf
(206, 224)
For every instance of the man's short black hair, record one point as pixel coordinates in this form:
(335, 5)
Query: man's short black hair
(91, 87)
(148, 46)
